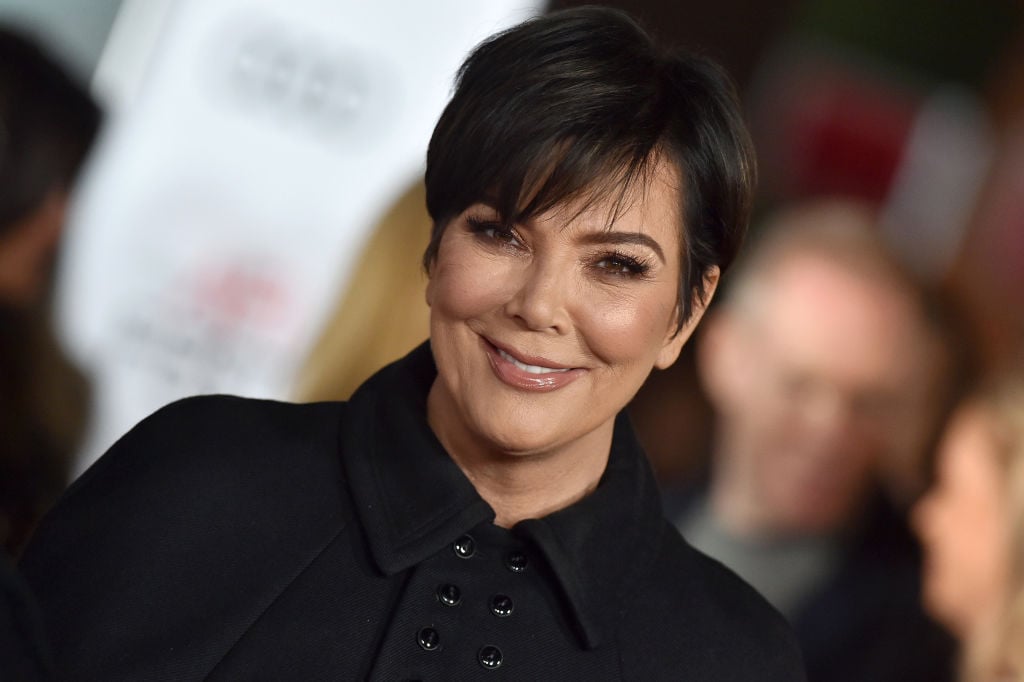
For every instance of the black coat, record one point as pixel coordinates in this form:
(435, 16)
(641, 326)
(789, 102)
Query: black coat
(235, 539)
(867, 621)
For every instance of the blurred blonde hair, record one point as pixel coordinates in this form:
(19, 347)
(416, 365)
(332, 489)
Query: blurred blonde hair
(383, 314)
(997, 653)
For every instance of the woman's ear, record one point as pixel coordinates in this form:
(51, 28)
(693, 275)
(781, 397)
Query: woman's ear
(675, 340)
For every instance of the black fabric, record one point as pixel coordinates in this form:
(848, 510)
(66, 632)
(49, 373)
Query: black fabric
(866, 622)
(230, 539)
(24, 654)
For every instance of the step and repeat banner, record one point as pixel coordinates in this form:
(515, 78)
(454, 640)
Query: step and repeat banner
(250, 147)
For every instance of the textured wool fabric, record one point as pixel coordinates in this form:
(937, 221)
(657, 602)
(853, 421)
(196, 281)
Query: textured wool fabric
(228, 539)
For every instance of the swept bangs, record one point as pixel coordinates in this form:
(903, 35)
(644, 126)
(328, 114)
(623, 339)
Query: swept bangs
(580, 105)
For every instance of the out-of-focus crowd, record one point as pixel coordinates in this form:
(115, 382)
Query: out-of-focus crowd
(846, 431)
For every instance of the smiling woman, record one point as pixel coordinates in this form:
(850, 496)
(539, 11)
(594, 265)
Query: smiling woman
(482, 505)
(543, 331)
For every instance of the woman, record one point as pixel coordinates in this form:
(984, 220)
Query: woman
(478, 507)
(972, 525)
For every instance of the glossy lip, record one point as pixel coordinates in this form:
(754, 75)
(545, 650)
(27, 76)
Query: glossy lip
(517, 378)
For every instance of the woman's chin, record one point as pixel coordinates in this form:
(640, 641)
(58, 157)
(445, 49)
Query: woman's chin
(521, 441)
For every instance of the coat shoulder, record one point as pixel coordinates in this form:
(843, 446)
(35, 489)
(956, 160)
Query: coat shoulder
(204, 467)
(207, 436)
(693, 618)
(193, 521)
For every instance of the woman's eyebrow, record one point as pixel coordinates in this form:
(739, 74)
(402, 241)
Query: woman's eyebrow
(610, 237)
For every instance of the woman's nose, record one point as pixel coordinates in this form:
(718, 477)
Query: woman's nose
(541, 296)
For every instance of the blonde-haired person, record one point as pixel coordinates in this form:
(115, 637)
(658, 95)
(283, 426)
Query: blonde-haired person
(972, 525)
(382, 314)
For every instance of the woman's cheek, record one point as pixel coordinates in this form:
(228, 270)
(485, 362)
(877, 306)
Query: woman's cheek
(473, 287)
(626, 326)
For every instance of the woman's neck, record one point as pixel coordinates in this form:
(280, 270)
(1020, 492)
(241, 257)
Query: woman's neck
(529, 485)
(520, 487)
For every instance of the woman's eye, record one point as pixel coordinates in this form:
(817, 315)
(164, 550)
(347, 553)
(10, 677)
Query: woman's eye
(492, 230)
(622, 266)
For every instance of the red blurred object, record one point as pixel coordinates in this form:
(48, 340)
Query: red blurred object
(824, 126)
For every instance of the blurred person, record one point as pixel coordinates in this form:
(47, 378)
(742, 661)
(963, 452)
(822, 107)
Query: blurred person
(825, 371)
(382, 314)
(971, 523)
(480, 506)
(47, 125)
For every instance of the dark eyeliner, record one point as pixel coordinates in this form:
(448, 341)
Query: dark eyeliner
(492, 230)
(479, 224)
(625, 265)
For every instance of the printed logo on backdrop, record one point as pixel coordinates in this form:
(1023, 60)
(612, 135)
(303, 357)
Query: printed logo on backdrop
(304, 83)
(199, 320)
(230, 201)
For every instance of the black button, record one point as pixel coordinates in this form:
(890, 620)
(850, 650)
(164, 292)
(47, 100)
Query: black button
(429, 639)
(449, 595)
(465, 547)
(516, 562)
(501, 605)
(489, 657)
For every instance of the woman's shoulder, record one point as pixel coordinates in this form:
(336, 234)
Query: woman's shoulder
(207, 457)
(215, 437)
(229, 419)
(694, 612)
(209, 505)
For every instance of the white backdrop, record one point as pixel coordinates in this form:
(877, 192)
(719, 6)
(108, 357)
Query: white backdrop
(252, 145)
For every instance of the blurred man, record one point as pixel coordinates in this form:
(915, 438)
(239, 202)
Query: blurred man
(825, 371)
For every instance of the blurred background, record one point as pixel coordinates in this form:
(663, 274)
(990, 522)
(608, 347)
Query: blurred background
(225, 196)
(250, 218)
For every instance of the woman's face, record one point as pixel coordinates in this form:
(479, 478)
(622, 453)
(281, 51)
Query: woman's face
(962, 524)
(542, 333)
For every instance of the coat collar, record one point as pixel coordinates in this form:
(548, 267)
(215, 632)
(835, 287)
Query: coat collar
(413, 500)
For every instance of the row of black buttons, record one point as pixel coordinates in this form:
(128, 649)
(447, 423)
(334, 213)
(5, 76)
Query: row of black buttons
(465, 548)
(450, 595)
(489, 656)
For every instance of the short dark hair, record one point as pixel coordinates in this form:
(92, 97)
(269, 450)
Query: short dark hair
(579, 102)
(48, 122)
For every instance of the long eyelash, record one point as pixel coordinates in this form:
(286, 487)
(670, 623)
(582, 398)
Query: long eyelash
(502, 233)
(635, 266)
(480, 224)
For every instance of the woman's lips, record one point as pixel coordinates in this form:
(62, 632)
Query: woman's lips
(531, 369)
(530, 377)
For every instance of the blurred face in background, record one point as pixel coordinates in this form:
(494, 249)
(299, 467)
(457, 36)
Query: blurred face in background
(27, 251)
(962, 523)
(817, 375)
